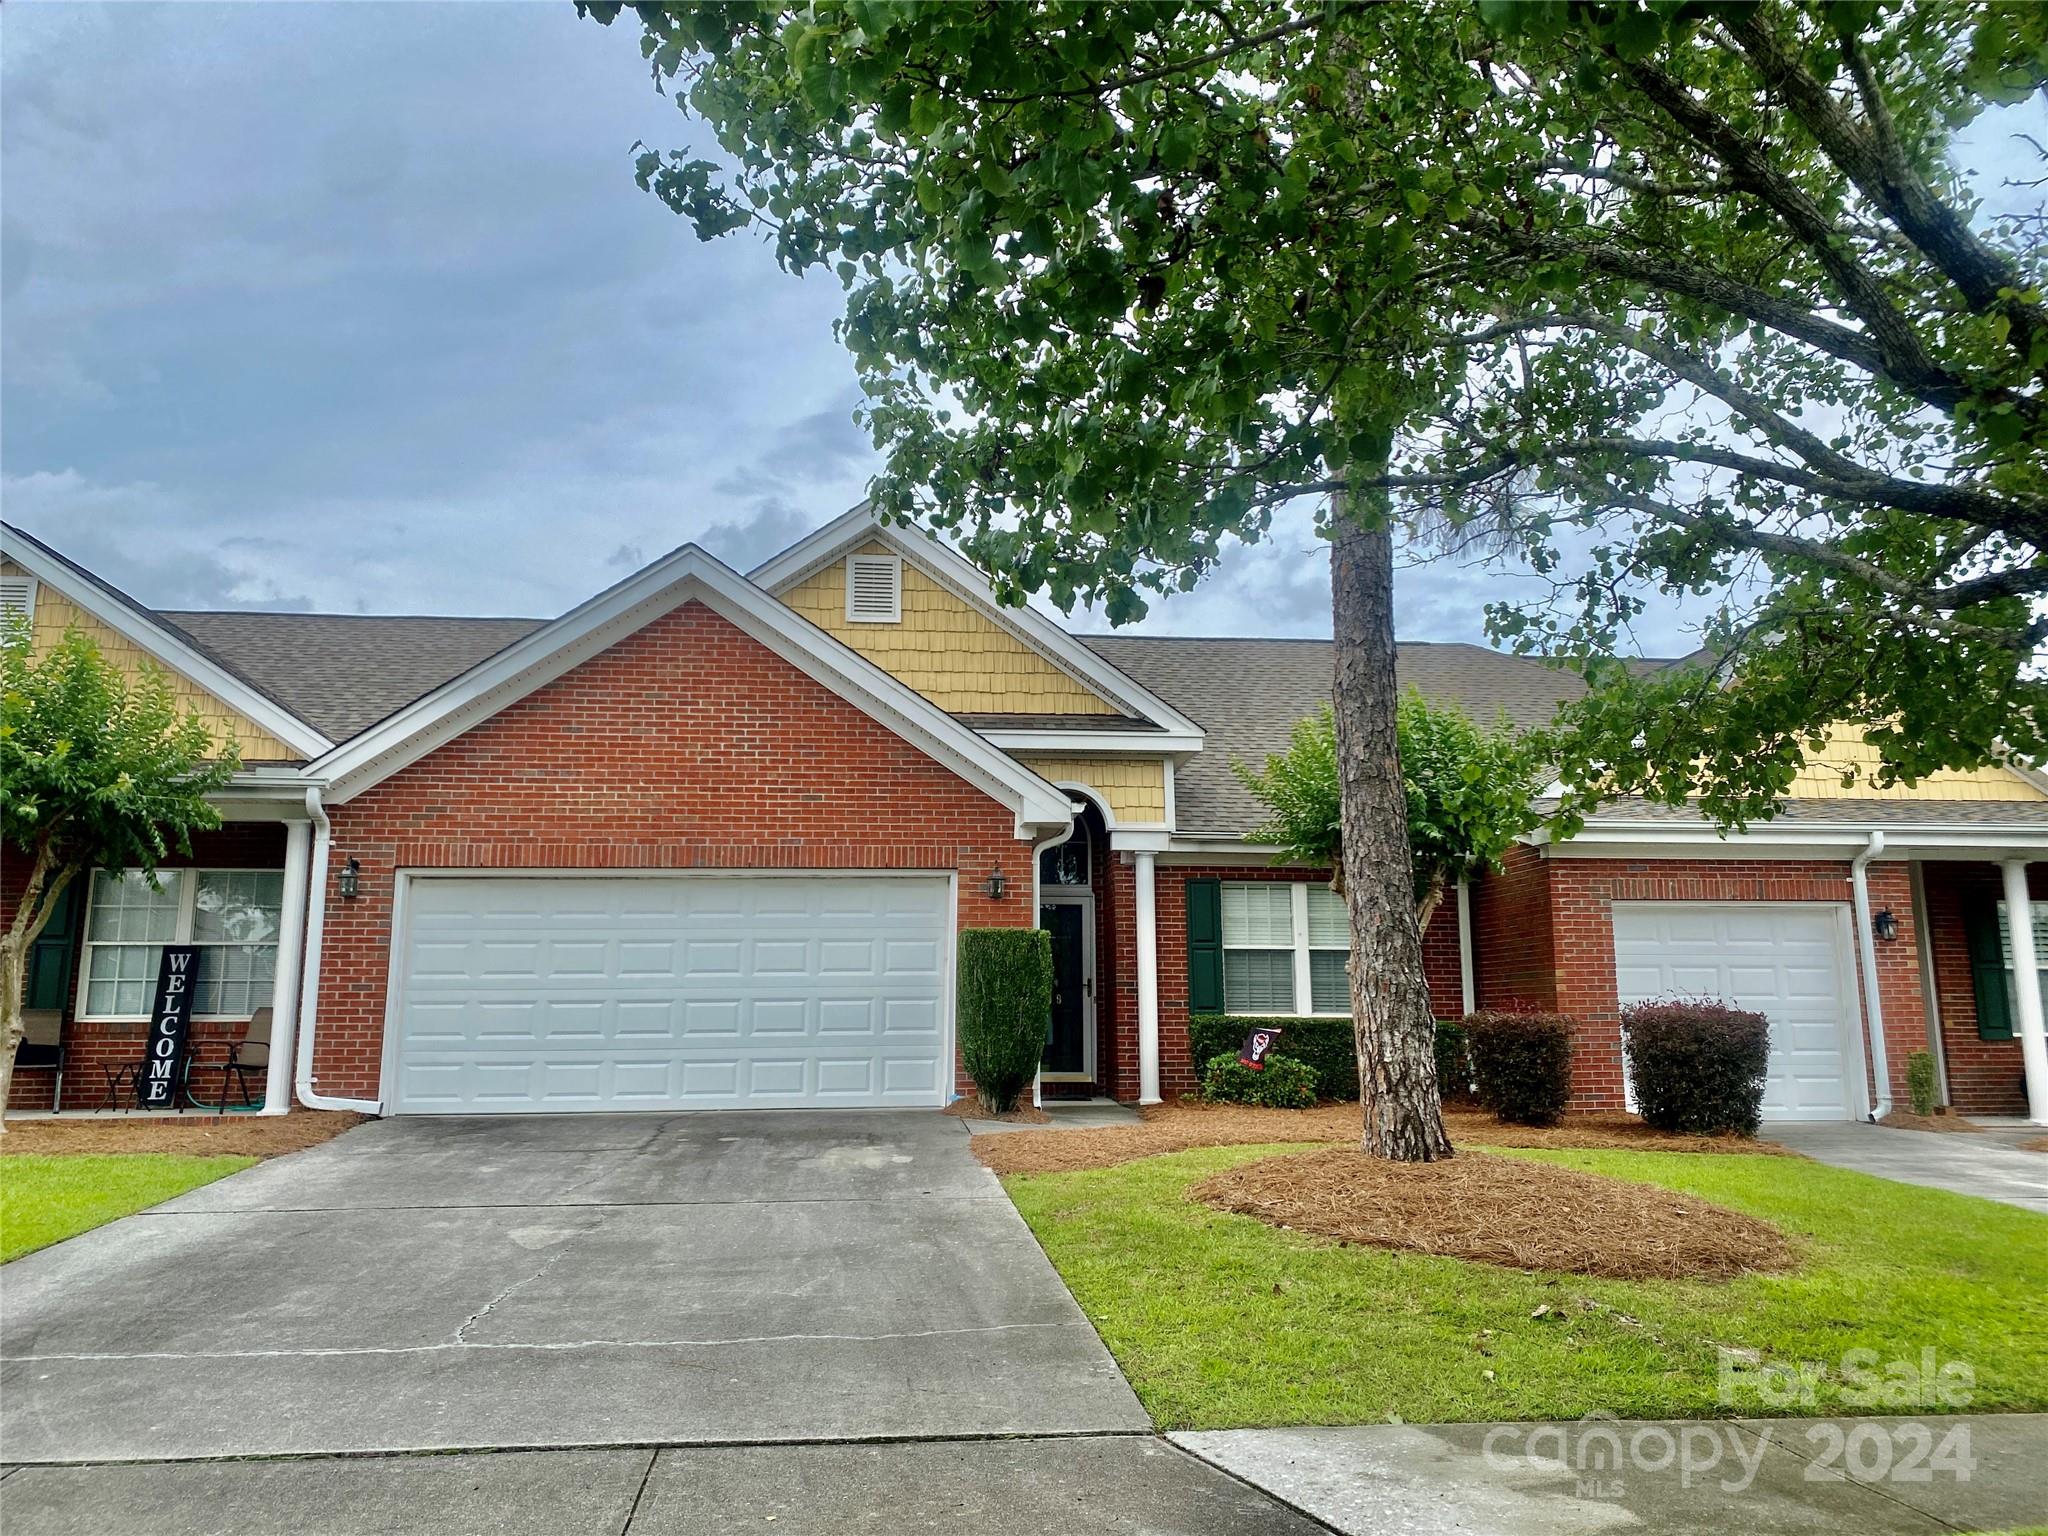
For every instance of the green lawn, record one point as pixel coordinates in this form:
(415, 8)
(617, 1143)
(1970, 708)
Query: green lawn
(44, 1200)
(1221, 1321)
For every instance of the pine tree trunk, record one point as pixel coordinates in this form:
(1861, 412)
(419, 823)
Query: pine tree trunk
(1391, 1015)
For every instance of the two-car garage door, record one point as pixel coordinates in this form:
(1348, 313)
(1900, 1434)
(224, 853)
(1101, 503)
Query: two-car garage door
(670, 992)
(1789, 962)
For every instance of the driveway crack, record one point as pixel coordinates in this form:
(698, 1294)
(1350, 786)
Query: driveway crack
(555, 1257)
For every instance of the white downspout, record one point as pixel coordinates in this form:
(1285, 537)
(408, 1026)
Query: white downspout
(1467, 979)
(2026, 987)
(1866, 948)
(284, 992)
(1148, 980)
(316, 929)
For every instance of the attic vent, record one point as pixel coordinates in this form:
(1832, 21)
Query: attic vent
(17, 597)
(874, 589)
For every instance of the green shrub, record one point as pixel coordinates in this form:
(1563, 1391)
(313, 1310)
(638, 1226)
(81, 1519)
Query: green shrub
(1005, 1009)
(1522, 1063)
(1920, 1087)
(1697, 1064)
(1453, 1062)
(1282, 1083)
(1325, 1045)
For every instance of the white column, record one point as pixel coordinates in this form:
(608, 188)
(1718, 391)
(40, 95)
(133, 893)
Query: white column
(1148, 981)
(1468, 981)
(284, 991)
(2026, 988)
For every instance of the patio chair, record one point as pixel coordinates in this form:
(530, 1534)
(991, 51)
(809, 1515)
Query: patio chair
(42, 1047)
(248, 1057)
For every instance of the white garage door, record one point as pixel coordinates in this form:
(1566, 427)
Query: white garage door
(671, 992)
(1786, 962)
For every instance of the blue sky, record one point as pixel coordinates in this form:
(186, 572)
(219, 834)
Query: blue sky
(355, 307)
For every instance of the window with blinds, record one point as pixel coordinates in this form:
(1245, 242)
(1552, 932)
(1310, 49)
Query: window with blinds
(1284, 946)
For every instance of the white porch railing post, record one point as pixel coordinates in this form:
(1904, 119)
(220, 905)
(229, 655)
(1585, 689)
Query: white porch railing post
(284, 990)
(2026, 988)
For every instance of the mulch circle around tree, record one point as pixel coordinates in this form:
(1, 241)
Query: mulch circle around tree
(1501, 1210)
(1906, 1120)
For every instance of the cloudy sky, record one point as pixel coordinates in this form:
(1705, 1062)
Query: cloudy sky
(355, 307)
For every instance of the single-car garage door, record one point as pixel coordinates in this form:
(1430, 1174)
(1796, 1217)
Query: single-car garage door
(1787, 962)
(670, 992)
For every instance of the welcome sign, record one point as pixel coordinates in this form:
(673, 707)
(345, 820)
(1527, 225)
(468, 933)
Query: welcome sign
(170, 1024)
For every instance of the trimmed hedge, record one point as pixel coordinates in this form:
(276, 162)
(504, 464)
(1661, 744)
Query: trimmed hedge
(1329, 1048)
(1005, 1009)
(1522, 1063)
(1920, 1087)
(1282, 1083)
(1324, 1046)
(1697, 1064)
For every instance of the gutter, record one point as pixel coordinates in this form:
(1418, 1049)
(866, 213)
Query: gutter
(309, 988)
(1866, 949)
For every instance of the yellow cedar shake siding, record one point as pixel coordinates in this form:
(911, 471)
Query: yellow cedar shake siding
(56, 613)
(1134, 788)
(1821, 778)
(945, 648)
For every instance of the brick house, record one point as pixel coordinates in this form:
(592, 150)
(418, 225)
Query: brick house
(706, 840)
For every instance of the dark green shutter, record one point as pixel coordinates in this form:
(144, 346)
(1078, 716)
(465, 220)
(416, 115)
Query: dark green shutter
(49, 958)
(1987, 968)
(1205, 946)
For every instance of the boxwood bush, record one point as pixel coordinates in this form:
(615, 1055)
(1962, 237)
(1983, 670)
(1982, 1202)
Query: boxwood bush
(1282, 1083)
(1522, 1063)
(1920, 1088)
(1697, 1064)
(1329, 1049)
(1005, 1009)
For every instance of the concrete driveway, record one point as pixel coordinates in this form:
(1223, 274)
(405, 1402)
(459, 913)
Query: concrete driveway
(1984, 1164)
(559, 1281)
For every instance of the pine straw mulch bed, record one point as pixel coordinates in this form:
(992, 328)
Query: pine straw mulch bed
(1906, 1120)
(1180, 1127)
(191, 1135)
(2038, 1144)
(969, 1108)
(1501, 1210)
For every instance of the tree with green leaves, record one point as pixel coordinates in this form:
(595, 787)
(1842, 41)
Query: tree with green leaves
(98, 770)
(1471, 791)
(1668, 296)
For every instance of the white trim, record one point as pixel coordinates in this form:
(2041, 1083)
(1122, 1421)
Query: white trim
(1084, 898)
(1787, 840)
(1468, 981)
(291, 946)
(2026, 986)
(1146, 911)
(950, 568)
(1303, 967)
(400, 951)
(893, 564)
(1094, 797)
(685, 575)
(165, 646)
(1145, 744)
(1172, 817)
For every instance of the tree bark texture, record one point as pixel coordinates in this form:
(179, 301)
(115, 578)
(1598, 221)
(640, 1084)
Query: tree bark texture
(38, 901)
(1391, 1015)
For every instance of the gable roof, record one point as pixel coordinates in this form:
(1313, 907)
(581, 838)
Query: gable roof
(1248, 694)
(859, 526)
(687, 574)
(162, 640)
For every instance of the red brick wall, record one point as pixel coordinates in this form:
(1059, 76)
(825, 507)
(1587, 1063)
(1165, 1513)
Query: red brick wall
(1177, 1074)
(1563, 908)
(1985, 1077)
(89, 1048)
(687, 745)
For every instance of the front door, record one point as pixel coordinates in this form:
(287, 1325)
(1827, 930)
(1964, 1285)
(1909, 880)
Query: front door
(1070, 1042)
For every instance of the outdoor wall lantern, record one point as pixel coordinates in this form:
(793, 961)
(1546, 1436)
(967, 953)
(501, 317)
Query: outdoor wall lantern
(995, 885)
(1885, 926)
(351, 879)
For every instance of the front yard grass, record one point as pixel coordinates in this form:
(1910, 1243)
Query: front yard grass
(1221, 1321)
(44, 1200)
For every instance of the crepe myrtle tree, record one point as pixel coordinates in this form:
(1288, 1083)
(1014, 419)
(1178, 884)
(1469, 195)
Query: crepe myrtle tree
(1689, 286)
(1470, 792)
(99, 769)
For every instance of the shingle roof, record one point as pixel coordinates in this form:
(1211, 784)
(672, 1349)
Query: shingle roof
(344, 672)
(1247, 695)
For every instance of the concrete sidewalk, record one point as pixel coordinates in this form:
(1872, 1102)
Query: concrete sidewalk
(1759, 1477)
(1989, 1166)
